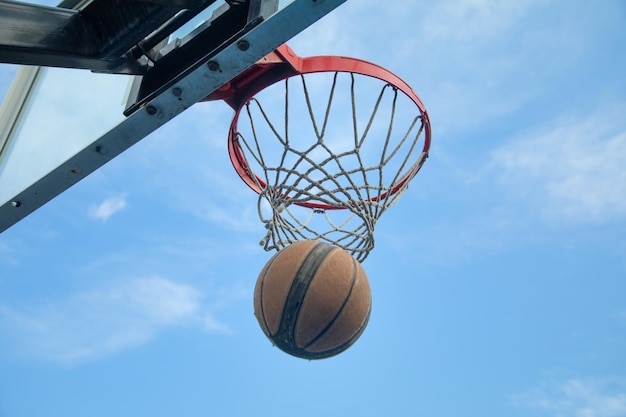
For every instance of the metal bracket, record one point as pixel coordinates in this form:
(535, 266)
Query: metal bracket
(228, 61)
(183, 56)
(94, 34)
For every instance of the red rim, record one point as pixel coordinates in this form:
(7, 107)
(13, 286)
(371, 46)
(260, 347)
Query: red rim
(276, 72)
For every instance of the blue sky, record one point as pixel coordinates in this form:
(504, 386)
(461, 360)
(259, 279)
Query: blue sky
(498, 280)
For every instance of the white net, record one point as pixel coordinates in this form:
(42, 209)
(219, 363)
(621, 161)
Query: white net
(331, 153)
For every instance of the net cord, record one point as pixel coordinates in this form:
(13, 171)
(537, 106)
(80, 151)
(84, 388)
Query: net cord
(283, 186)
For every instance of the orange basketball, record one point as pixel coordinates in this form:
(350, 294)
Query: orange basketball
(312, 300)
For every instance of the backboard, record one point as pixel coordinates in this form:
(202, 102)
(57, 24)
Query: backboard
(61, 122)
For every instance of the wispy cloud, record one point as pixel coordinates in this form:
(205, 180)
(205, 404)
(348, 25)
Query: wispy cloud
(567, 175)
(581, 397)
(572, 171)
(326, 35)
(619, 315)
(474, 19)
(206, 185)
(108, 207)
(480, 61)
(91, 325)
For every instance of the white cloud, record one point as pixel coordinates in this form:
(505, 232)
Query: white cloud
(573, 171)
(582, 397)
(206, 186)
(474, 19)
(228, 214)
(483, 60)
(212, 324)
(619, 315)
(108, 207)
(91, 325)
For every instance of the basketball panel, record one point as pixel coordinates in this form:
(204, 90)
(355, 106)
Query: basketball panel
(327, 293)
(278, 279)
(351, 322)
(258, 292)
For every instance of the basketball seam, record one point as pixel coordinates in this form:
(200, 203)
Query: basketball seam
(347, 343)
(300, 284)
(345, 301)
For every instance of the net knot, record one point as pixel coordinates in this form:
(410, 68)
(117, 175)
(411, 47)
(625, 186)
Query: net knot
(319, 180)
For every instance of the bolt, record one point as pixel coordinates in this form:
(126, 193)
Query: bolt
(243, 45)
(213, 66)
(16, 203)
(151, 110)
(177, 91)
(98, 149)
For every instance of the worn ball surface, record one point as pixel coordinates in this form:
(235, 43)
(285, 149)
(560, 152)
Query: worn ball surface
(312, 300)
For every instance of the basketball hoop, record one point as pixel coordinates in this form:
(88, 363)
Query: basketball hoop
(312, 135)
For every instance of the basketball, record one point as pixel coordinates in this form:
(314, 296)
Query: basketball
(312, 300)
